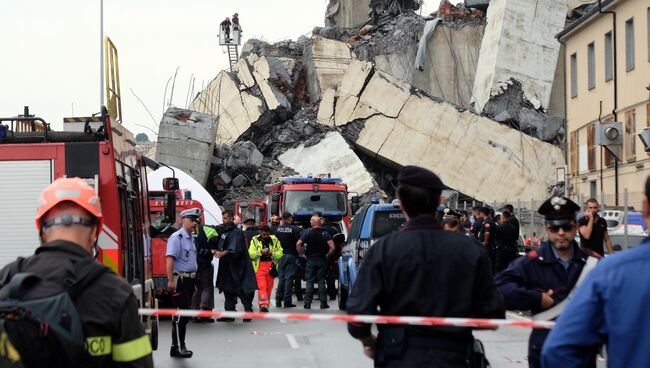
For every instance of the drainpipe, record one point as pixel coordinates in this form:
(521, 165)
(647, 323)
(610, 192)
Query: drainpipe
(614, 111)
(566, 116)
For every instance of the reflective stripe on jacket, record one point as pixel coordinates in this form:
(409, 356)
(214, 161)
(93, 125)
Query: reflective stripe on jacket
(255, 251)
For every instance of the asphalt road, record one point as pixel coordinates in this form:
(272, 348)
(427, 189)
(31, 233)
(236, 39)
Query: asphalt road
(303, 344)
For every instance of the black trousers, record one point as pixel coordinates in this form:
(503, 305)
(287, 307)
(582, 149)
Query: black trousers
(316, 271)
(182, 299)
(286, 273)
(231, 301)
(203, 299)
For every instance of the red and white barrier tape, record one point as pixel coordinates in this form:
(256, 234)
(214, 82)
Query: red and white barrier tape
(419, 321)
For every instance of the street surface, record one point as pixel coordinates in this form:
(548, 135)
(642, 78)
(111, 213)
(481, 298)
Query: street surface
(300, 344)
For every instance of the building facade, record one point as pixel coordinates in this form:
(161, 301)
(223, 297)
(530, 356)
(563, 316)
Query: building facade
(607, 64)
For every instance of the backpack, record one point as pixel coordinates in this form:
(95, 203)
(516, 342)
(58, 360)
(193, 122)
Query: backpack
(39, 318)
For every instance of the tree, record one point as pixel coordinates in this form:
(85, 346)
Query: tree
(141, 138)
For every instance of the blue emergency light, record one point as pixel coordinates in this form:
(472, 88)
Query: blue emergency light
(311, 180)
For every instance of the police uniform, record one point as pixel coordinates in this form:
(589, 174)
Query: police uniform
(489, 227)
(423, 270)
(182, 248)
(288, 235)
(316, 250)
(524, 281)
(506, 244)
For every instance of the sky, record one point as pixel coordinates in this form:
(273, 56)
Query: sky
(50, 55)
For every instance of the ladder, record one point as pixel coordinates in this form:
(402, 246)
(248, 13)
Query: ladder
(233, 55)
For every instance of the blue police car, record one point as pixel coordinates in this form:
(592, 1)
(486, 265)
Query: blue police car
(370, 223)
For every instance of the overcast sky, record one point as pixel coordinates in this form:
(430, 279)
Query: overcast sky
(49, 50)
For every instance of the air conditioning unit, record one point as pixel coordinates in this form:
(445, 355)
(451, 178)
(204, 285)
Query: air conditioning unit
(645, 138)
(609, 134)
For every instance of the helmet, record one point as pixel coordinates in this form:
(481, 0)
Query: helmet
(73, 190)
(275, 218)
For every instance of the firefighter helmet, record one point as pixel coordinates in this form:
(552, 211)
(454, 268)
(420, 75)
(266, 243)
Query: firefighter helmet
(275, 219)
(73, 190)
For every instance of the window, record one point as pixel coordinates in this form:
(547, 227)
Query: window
(574, 75)
(609, 57)
(629, 44)
(573, 149)
(630, 136)
(591, 147)
(591, 66)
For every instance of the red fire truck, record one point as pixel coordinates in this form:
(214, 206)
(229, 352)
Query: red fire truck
(165, 225)
(253, 210)
(32, 156)
(303, 196)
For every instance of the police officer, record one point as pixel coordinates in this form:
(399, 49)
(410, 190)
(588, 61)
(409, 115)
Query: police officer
(206, 243)
(515, 221)
(319, 248)
(181, 275)
(69, 220)
(288, 234)
(541, 281)
(409, 273)
(506, 241)
(477, 225)
(487, 235)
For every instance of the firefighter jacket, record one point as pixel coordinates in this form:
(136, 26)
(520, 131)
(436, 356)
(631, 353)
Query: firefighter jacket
(255, 251)
(108, 309)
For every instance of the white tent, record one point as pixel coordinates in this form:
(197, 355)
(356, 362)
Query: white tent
(210, 206)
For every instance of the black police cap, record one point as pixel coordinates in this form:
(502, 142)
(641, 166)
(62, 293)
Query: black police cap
(419, 177)
(558, 210)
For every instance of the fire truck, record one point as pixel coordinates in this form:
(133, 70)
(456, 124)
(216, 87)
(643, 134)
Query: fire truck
(100, 152)
(302, 197)
(165, 224)
(253, 210)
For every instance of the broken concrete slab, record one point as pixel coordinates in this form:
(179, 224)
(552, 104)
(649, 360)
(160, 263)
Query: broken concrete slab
(186, 140)
(331, 155)
(355, 78)
(519, 42)
(239, 181)
(326, 110)
(346, 14)
(244, 73)
(345, 106)
(274, 98)
(374, 95)
(430, 133)
(325, 63)
(243, 156)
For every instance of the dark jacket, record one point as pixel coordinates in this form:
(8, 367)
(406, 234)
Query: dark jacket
(235, 273)
(424, 271)
(107, 307)
(523, 282)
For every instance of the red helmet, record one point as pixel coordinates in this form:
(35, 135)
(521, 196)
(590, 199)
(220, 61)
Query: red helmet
(73, 190)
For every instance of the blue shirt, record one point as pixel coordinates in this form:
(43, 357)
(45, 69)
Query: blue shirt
(180, 245)
(610, 307)
(566, 264)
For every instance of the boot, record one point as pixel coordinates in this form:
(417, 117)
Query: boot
(289, 304)
(278, 304)
(264, 310)
(323, 305)
(182, 353)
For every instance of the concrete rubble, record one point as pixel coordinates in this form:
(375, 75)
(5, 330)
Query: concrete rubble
(186, 140)
(351, 101)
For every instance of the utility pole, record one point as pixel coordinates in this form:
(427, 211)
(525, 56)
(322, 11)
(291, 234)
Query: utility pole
(101, 54)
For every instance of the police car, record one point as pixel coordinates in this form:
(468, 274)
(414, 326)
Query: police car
(370, 223)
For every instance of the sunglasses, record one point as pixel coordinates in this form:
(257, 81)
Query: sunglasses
(556, 228)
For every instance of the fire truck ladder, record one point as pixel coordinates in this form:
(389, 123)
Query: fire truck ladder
(233, 55)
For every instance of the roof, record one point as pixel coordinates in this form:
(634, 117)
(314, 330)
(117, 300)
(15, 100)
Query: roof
(593, 10)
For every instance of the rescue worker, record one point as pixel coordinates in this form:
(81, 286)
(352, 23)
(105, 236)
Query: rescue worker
(409, 273)
(265, 252)
(319, 249)
(235, 22)
(235, 277)
(487, 236)
(477, 225)
(225, 28)
(332, 266)
(506, 238)
(540, 281)
(610, 307)
(206, 244)
(515, 221)
(288, 234)
(275, 222)
(69, 220)
(181, 258)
